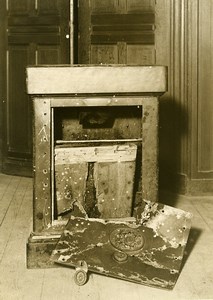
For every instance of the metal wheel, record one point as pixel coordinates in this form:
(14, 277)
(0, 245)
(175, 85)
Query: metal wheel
(80, 277)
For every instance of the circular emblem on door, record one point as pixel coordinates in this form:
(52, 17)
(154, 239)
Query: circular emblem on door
(127, 239)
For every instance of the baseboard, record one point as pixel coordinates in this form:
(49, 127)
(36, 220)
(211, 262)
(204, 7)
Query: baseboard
(17, 167)
(180, 184)
(200, 187)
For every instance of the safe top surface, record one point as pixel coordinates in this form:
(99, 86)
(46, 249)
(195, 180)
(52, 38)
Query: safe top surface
(112, 79)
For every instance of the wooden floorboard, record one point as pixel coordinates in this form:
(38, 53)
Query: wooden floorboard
(8, 189)
(18, 282)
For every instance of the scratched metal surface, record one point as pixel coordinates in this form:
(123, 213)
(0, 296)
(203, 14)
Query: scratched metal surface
(146, 250)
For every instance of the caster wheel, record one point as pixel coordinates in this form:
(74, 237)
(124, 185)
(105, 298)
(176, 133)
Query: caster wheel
(80, 277)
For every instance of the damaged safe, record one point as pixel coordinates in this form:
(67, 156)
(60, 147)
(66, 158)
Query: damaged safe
(96, 174)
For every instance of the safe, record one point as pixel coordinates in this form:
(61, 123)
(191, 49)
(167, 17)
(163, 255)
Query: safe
(95, 165)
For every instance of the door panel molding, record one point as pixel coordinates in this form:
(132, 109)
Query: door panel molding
(34, 32)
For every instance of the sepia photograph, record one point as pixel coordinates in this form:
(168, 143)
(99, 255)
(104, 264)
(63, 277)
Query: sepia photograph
(106, 149)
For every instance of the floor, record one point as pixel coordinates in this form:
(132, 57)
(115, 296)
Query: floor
(17, 282)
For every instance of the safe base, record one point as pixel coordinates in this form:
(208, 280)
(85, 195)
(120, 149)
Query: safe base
(39, 251)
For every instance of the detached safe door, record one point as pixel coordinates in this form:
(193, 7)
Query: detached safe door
(37, 33)
(148, 250)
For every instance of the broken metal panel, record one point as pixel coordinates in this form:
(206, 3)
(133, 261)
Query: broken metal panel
(170, 223)
(147, 251)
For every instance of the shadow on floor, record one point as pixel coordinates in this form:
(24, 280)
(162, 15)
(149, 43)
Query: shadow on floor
(194, 235)
(168, 198)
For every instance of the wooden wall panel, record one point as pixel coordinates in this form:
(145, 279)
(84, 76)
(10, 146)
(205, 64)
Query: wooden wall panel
(49, 55)
(100, 6)
(184, 43)
(19, 6)
(140, 55)
(112, 6)
(140, 5)
(18, 119)
(200, 92)
(205, 87)
(128, 54)
(107, 29)
(105, 54)
(48, 6)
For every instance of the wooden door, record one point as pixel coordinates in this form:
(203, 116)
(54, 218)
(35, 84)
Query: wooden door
(116, 32)
(36, 32)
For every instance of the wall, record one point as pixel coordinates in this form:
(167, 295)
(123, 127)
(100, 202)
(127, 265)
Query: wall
(184, 43)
